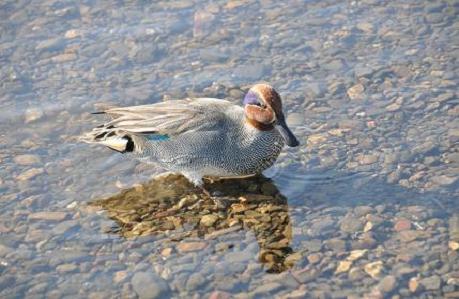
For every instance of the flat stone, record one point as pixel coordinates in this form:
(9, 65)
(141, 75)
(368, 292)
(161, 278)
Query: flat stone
(66, 268)
(356, 92)
(29, 174)
(402, 224)
(50, 216)
(411, 235)
(195, 281)
(295, 119)
(64, 57)
(209, 220)
(453, 245)
(166, 252)
(387, 284)
(367, 159)
(374, 269)
(314, 258)
(351, 224)
(4, 250)
(191, 246)
(357, 254)
(431, 283)
(444, 180)
(220, 295)
(316, 139)
(413, 285)
(72, 33)
(148, 285)
(343, 266)
(119, 276)
(27, 159)
(53, 44)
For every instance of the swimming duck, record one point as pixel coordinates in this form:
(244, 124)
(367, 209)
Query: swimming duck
(203, 136)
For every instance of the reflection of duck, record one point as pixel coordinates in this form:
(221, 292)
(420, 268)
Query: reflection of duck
(168, 203)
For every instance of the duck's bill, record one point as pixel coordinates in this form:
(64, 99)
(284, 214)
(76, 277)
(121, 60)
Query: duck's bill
(286, 134)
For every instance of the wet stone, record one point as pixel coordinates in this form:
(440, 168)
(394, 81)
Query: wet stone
(149, 286)
(402, 224)
(29, 174)
(209, 220)
(356, 92)
(191, 246)
(27, 159)
(387, 284)
(50, 216)
(374, 269)
(431, 283)
(351, 224)
(64, 268)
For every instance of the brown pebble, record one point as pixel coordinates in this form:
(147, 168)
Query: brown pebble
(413, 285)
(27, 159)
(191, 246)
(219, 295)
(166, 252)
(119, 276)
(314, 258)
(51, 216)
(402, 224)
(28, 174)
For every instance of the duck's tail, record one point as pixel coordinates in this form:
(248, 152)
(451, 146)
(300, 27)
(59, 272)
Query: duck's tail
(112, 138)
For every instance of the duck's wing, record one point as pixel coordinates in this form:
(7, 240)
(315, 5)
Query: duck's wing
(170, 117)
(158, 121)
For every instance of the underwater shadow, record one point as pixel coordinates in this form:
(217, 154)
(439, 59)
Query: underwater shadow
(169, 206)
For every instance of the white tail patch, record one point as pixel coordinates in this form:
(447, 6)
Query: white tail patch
(116, 143)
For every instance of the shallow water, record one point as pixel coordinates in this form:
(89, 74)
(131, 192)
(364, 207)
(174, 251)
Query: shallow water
(367, 206)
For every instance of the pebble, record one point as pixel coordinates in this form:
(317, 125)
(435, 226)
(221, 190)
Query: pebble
(120, 276)
(431, 283)
(191, 246)
(453, 245)
(64, 268)
(356, 92)
(316, 139)
(50, 216)
(357, 254)
(29, 174)
(414, 285)
(343, 266)
(402, 224)
(150, 286)
(374, 269)
(314, 258)
(72, 33)
(33, 114)
(367, 159)
(209, 220)
(387, 284)
(351, 224)
(219, 295)
(27, 159)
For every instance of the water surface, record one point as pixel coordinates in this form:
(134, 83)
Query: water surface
(366, 206)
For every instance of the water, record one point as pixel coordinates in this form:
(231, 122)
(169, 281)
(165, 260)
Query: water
(367, 206)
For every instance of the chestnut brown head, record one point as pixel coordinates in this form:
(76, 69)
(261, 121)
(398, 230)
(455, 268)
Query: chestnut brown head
(263, 110)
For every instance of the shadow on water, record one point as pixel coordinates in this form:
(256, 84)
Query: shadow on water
(171, 205)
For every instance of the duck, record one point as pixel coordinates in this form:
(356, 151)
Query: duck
(201, 137)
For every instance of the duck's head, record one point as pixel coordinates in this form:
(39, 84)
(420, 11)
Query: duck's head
(263, 110)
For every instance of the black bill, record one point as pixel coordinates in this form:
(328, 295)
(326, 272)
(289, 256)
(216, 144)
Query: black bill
(287, 135)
